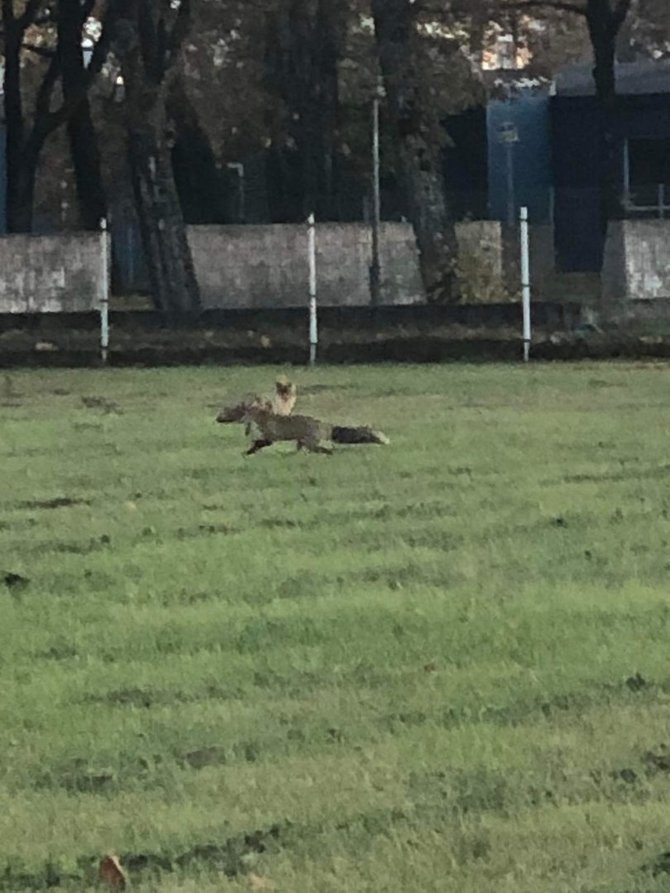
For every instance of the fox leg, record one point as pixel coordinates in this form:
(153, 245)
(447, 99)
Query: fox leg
(315, 447)
(257, 445)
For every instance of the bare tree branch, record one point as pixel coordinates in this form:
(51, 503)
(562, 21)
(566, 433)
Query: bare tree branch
(619, 13)
(561, 5)
(46, 121)
(45, 52)
(29, 14)
(43, 98)
(8, 13)
(179, 31)
(86, 10)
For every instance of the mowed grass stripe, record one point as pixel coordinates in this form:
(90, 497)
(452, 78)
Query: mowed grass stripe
(403, 659)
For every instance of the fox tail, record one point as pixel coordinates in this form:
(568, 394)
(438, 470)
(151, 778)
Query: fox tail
(363, 434)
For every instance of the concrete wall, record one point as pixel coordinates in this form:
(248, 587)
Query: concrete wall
(267, 265)
(637, 262)
(254, 266)
(50, 274)
(481, 261)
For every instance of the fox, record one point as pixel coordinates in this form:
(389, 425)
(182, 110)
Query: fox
(308, 433)
(280, 403)
(267, 428)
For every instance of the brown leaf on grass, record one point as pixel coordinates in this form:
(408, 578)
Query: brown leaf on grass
(256, 882)
(111, 873)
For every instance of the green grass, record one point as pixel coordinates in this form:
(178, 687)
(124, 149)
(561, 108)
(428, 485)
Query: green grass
(435, 666)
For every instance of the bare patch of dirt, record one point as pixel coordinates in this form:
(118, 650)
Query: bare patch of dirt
(14, 581)
(107, 406)
(57, 502)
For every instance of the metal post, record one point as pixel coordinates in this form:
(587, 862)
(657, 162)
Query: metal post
(626, 172)
(238, 167)
(525, 282)
(104, 298)
(508, 135)
(511, 198)
(313, 333)
(375, 269)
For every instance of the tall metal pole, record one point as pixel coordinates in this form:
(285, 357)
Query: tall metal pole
(104, 294)
(511, 198)
(375, 267)
(311, 247)
(525, 282)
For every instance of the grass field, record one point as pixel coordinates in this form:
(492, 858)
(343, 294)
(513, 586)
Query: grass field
(441, 665)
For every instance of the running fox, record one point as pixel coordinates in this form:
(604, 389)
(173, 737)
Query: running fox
(266, 428)
(281, 403)
(308, 433)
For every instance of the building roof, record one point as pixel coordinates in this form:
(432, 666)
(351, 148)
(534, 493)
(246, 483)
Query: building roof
(503, 83)
(632, 79)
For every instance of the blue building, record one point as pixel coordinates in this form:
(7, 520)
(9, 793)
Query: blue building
(518, 132)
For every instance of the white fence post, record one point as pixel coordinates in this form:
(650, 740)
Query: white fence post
(375, 267)
(525, 283)
(313, 332)
(104, 299)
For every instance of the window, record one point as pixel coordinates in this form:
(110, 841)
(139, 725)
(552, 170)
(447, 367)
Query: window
(647, 176)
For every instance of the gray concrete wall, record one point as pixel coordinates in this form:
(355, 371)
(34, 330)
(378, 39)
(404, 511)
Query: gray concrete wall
(50, 274)
(267, 265)
(254, 266)
(481, 261)
(636, 263)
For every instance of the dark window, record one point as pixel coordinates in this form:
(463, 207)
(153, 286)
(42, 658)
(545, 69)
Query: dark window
(649, 162)
(648, 177)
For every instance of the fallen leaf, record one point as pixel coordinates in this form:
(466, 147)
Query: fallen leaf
(112, 874)
(256, 882)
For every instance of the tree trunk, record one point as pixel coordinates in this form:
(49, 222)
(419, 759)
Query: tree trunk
(82, 137)
(148, 72)
(20, 181)
(167, 253)
(91, 197)
(197, 177)
(419, 153)
(603, 31)
(22, 161)
(304, 47)
(20, 200)
(24, 144)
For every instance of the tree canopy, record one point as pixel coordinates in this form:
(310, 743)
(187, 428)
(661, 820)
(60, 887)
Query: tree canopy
(154, 103)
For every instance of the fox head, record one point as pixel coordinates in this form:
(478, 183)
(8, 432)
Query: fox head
(285, 396)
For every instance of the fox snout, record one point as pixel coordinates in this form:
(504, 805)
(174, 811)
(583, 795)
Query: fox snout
(230, 414)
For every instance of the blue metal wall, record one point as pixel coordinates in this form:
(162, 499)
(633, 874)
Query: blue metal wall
(528, 112)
